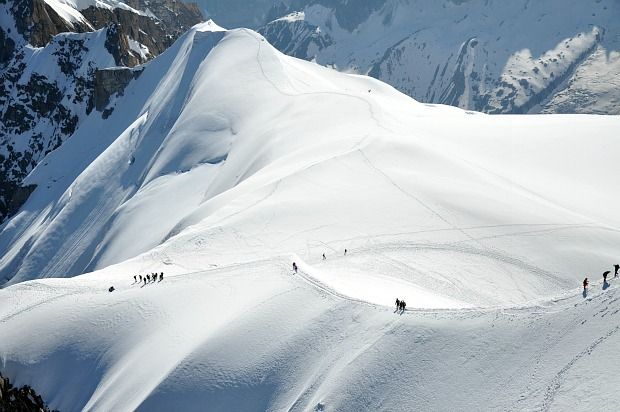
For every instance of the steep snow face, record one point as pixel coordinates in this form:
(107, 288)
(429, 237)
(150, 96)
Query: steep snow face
(46, 91)
(492, 56)
(66, 11)
(225, 150)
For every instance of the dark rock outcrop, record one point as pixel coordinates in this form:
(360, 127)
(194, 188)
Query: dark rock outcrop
(109, 82)
(23, 399)
(37, 22)
(19, 197)
(7, 47)
(174, 18)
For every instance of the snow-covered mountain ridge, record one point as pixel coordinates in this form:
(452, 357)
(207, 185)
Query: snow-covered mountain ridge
(51, 71)
(225, 161)
(189, 123)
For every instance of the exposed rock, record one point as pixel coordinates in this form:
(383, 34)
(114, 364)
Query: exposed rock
(110, 81)
(19, 197)
(37, 22)
(176, 15)
(117, 44)
(155, 36)
(7, 47)
(23, 399)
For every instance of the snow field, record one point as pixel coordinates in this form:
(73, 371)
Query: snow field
(225, 161)
(254, 336)
(333, 161)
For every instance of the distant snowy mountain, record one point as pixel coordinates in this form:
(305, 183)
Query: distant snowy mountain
(224, 161)
(51, 61)
(550, 56)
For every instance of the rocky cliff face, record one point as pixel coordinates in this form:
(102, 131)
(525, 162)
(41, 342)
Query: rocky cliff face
(23, 399)
(109, 82)
(53, 73)
(38, 22)
(136, 38)
(41, 106)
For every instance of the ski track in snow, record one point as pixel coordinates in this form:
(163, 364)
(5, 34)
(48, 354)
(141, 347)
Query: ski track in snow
(559, 377)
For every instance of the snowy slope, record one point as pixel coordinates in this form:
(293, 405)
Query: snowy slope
(52, 72)
(225, 161)
(332, 162)
(253, 337)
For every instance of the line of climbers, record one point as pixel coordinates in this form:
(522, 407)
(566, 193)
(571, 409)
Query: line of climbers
(150, 278)
(401, 304)
(586, 282)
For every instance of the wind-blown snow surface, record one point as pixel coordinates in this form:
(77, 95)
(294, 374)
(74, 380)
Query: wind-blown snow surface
(225, 161)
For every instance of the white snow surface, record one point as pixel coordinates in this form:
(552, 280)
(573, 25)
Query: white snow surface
(69, 10)
(225, 161)
(138, 48)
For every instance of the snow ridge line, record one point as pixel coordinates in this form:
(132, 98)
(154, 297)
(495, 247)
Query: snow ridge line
(371, 110)
(283, 260)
